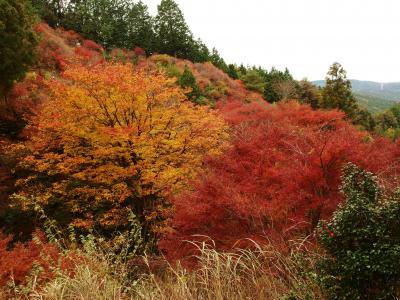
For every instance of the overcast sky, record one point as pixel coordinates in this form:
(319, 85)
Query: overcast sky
(306, 36)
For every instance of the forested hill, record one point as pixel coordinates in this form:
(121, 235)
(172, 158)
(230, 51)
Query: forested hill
(375, 96)
(132, 157)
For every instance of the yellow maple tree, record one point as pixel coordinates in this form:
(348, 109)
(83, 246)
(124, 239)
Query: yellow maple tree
(113, 138)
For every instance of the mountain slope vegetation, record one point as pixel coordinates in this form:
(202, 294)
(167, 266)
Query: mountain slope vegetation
(137, 164)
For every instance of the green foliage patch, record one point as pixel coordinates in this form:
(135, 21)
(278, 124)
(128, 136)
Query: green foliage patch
(362, 241)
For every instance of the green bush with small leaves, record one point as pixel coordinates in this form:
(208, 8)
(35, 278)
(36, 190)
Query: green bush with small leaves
(253, 81)
(187, 80)
(362, 241)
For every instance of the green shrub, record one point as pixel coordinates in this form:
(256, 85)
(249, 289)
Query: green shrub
(172, 70)
(362, 241)
(187, 80)
(162, 59)
(253, 81)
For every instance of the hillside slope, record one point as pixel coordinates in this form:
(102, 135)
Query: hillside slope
(59, 50)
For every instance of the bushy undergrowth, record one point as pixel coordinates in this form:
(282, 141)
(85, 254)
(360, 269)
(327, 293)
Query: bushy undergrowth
(25, 266)
(261, 273)
(362, 241)
(88, 267)
(359, 259)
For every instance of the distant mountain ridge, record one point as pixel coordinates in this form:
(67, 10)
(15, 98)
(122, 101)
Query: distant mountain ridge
(375, 96)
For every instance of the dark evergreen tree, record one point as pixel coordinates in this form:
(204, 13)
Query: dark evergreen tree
(200, 52)
(218, 61)
(173, 34)
(242, 69)
(253, 80)
(17, 54)
(140, 28)
(232, 72)
(337, 92)
(51, 11)
(104, 21)
(17, 42)
(187, 80)
(272, 79)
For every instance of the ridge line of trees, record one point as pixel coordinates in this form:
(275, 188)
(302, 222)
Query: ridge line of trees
(128, 24)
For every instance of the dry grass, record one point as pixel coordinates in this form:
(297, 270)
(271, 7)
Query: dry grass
(88, 283)
(260, 273)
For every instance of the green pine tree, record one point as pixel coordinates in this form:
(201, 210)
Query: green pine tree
(173, 34)
(272, 80)
(337, 92)
(218, 61)
(50, 11)
(242, 70)
(253, 80)
(140, 28)
(103, 21)
(232, 72)
(187, 80)
(201, 53)
(17, 42)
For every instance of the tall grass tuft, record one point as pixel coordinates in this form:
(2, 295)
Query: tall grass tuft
(260, 273)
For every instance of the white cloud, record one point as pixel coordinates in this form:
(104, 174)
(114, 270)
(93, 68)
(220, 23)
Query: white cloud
(304, 35)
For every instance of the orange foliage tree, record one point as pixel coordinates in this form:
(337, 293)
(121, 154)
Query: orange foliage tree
(112, 140)
(280, 176)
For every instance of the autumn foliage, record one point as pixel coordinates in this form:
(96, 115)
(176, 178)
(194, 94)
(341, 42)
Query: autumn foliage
(108, 133)
(36, 258)
(279, 178)
(59, 49)
(112, 140)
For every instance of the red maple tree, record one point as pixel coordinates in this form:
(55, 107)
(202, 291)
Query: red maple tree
(280, 177)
